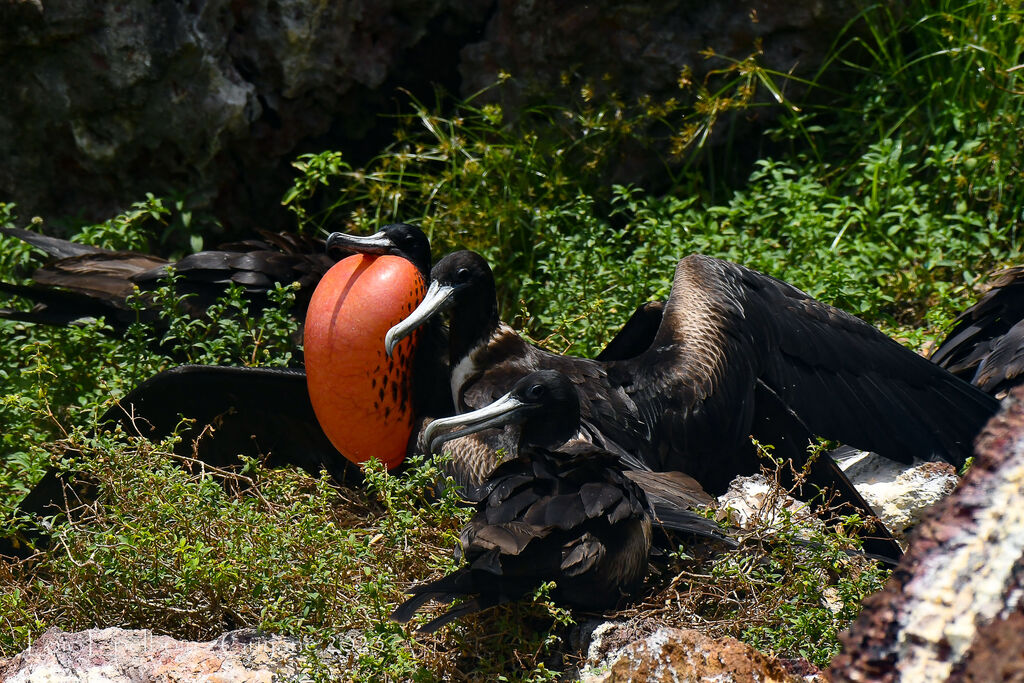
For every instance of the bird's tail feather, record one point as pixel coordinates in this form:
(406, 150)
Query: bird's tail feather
(475, 604)
(675, 519)
(445, 590)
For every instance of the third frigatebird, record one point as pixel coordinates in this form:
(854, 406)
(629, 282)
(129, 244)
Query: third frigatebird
(560, 510)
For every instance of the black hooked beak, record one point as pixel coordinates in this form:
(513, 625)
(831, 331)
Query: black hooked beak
(377, 243)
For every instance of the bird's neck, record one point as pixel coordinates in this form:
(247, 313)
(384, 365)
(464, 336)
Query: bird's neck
(470, 330)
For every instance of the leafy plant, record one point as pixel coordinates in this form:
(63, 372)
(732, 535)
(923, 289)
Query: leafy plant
(891, 197)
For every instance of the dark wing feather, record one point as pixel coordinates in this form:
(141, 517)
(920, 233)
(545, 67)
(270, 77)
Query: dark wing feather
(64, 307)
(1003, 366)
(674, 488)
(512, 507)
(584, 554)
(235, 401)
(863, 378)
(989, 324)
(597, 497)
(106, 275)
(729, 326)
(53, 246)
(564, 511)
(461, 582)
(510, 538)
(636, 335)
(105, 278)
(257, 410)
(686, 521)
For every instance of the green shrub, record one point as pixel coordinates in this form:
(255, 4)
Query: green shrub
(891, 198)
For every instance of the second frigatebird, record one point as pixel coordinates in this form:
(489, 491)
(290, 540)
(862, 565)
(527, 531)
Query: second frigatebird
(986, 343)
(736, 353)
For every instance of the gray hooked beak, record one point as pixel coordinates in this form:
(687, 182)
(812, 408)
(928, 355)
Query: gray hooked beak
(498, 414)
(437, 299)
(377, 243)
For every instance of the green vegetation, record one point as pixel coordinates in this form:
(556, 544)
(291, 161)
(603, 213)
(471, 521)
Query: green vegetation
(789, 589)
(892, 198)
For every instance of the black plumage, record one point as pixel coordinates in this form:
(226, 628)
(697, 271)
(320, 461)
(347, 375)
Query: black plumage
(555, 512)
(637, 335)
(81, 281)
(986, 343)
(736, 353)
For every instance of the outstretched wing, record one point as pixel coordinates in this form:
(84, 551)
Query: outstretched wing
(236, 411)
(255, 411)
(727, 327)
(636, 335)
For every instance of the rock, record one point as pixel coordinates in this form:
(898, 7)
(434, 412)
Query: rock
(103, 102)
(639, 48)
(899, 495)
(952, 609)
(751, 502)
(672, 654)
(116, 655)
(635, 49)
(106, 101)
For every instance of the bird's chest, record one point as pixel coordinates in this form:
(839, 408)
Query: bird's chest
(489, 369)
(460, 377)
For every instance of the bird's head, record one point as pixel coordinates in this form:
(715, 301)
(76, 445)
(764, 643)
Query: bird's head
(397, 239)
(460, 280)
(544, 405)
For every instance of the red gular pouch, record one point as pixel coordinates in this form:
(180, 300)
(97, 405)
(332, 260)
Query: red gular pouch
(361, 396)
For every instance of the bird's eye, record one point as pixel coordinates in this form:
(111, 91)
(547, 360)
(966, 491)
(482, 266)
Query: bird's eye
(537, 391)
(462, 275)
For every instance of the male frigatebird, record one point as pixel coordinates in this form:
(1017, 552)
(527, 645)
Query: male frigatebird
(258, 411)
(736, 353)
(558, 511)
(430, 362)
(986, 344)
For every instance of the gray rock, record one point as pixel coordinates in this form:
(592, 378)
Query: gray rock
(900, 495)
(106, 101)
(638, 48)
(116, 655)
(103, 102)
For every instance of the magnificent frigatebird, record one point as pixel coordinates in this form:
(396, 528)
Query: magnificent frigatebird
(986, 343)
(363, 398)
(557, 511)
(255, 411)
(736, 353)
(430, 363)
